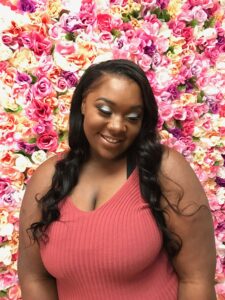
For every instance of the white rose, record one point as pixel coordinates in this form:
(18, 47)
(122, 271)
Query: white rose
(22, 162)
(220, 63)
(5, 255)
(163, 77)
(165, 31)
(6, 229)
(208, 33)
(211, 90)
(62, 62)
(5, 52)
(39, 157)
(220, 193)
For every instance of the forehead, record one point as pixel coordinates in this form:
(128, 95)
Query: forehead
(117, 89)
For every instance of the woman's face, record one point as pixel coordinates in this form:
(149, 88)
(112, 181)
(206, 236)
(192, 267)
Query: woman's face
(113, 112)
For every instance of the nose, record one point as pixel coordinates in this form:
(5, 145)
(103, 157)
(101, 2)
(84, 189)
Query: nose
(116, 125)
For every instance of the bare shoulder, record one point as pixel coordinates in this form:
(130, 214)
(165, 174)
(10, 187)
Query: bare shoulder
(177, 175)
(37, 186)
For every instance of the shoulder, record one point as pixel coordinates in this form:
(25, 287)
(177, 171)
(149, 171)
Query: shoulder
(178, 178)
(175, 167)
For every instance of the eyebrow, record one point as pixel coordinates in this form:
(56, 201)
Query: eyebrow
(112, 103)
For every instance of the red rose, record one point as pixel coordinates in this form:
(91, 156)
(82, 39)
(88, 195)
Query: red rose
(104, 22)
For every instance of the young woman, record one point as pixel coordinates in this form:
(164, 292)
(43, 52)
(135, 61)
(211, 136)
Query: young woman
(119, 216)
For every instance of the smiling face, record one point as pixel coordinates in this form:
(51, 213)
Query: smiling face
(113, 112)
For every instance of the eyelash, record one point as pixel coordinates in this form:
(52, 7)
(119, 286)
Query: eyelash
(108, 113)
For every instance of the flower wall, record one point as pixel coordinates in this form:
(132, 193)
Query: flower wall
(45, 46)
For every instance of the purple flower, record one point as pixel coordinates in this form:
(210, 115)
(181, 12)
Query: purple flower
(221, 40)
(176, 132)
(28, 148)
(172, 89)
(220, 181)
(120, 44)
(71, 23)
(70, 77)
(27, 6)
(21, 77)
(149, 50)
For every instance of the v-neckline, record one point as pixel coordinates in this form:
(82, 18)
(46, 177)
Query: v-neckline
(106, 203)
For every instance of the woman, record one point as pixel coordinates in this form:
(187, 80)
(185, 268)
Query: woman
(119, 216)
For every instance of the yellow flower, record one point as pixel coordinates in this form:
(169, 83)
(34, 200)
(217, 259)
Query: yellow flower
(188, 98)
(24, 60)
(54, 8)
(174, 7)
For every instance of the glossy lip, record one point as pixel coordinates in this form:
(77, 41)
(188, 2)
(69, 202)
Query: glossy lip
(110, 139)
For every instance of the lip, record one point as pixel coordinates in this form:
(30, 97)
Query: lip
(111, 139)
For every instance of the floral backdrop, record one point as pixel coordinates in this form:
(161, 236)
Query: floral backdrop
(45, 46)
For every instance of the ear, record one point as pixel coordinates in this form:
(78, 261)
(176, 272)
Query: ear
(83, 104)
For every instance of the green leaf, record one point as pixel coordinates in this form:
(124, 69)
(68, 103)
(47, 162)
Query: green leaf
(32, 141)
(135, 13)
(216, 163)
(55, 110)
(116, 33)
(170, 49)
(126, 18)
(209, 23)
(52, 49)
(162, 15)
(18, 109)
(34, 78)
(178, 124)
(192, 23)
(195, 138)
(70, 36)
(3, 293)
(181, 87)
(200, 97)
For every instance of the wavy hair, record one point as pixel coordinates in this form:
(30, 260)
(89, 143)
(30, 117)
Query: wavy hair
(146, 150)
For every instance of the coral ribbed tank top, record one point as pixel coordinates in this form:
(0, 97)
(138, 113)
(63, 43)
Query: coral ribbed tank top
(113, 252)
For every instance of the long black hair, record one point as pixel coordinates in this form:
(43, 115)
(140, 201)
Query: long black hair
(146, 150)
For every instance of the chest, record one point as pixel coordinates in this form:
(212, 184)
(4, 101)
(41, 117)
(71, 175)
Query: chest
(93, 191)
(120, 238)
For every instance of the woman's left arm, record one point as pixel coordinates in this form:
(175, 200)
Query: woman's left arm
(195, 263)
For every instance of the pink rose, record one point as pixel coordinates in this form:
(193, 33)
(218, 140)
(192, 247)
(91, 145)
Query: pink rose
(104, 22)
(3, 66)
(9, 40)
(42, 88)
(65, 48)
(199, 14)
(25, 39)
(61, 85)
(203, 3)
(40, 44)
(188, 127)
(14, 293)
(188, 33)
(41, 128)
(116, 23)
(48, 141)
(5, 186)
(41, 111)
(177, 27)
(166, 111)
(180, 113)
(134, 47)
(145, 62)
(106, 37)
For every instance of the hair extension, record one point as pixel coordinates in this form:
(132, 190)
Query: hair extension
(146, 150)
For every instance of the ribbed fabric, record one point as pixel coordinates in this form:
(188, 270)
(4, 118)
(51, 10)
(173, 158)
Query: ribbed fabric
(113, 252)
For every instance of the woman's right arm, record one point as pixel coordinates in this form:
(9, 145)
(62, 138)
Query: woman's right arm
(35, 282)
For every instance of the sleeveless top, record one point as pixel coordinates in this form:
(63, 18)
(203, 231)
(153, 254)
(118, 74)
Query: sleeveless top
(113, 252)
